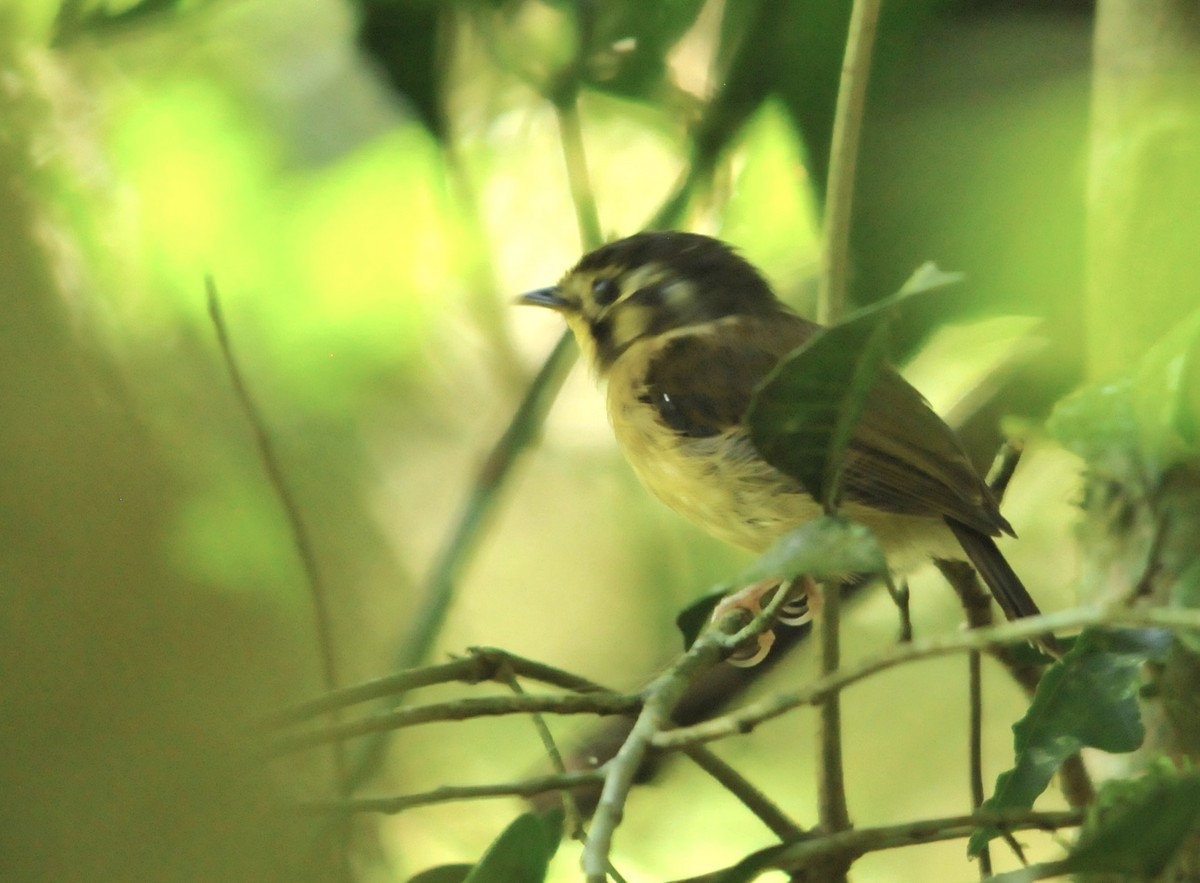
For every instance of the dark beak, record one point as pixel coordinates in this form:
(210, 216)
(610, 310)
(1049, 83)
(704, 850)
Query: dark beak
(546, 297)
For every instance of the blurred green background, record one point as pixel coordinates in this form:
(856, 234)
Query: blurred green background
(369, 184)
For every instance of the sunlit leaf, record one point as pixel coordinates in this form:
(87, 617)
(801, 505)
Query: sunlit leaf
(1087, 699)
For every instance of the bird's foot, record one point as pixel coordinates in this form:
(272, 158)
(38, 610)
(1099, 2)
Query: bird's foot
(753, 599)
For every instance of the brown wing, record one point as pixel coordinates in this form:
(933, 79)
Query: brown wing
(903, 458)
(700, 382)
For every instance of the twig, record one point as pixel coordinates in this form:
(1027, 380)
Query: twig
(450, 794)
(660, 699)
(767, 811)
(845, 846)
(300, 537)
(843, 159)
(831, 785)
(482, 664)
(747, 718)
(572, 818)
(975, 747)
(460, 709)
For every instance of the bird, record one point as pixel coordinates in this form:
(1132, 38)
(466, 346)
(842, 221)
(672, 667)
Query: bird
(682, 329)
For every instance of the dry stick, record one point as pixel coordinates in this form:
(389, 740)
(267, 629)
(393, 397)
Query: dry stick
(745, 719)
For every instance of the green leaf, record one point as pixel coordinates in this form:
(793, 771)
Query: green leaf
(1140, 832)
(803, 415)
(1088, 698)
(826, 547)
(521, 854)
(443, 874)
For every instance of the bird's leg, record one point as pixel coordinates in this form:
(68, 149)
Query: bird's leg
(753, 599)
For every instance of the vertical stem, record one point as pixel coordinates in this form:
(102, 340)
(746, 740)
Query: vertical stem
(843, 159)
(975, 681)
(832, 811)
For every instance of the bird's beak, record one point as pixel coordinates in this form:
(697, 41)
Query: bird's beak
(546, 297)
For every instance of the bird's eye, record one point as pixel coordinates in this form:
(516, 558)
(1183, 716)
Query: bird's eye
(605, 291)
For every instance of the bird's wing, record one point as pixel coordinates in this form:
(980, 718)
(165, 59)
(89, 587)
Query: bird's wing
(902, 458)
(701, 381)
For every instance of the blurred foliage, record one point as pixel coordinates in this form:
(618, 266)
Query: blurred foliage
(368, 183)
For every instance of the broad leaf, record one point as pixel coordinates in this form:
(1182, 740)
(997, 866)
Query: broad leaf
(1087, 699)
(803, 415)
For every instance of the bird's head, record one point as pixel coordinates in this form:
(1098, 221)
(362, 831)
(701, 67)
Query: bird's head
(649, 284)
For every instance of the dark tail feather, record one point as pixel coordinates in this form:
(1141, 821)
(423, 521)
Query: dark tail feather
(1006, 587)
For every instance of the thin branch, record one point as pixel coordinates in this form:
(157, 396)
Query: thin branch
(843, 159)
(573, 819)
(975, 747)
(831, 784)
(451, 794)
(767, 811)
(747, 718)
(480, 665)
(460, 709)
(845, 846)
(300, 537)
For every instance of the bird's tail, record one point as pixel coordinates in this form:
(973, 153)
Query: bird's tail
(1006, 587)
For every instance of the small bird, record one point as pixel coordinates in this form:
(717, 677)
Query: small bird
(683, 329)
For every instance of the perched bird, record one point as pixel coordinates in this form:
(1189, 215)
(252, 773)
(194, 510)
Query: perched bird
(683, 329)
